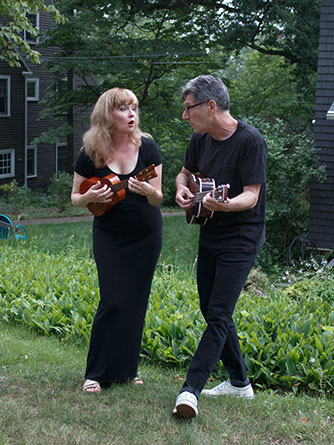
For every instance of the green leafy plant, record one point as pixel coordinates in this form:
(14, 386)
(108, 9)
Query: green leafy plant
(60, 188)
(286, 335)
(17, 197)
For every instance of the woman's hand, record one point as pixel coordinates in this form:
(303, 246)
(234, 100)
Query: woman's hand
(96, 193)
(151, 189)
(141, 187)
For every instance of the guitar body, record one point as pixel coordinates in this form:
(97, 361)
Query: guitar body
(118, 187)
(199, 187)
(198, 214)
(99, 208)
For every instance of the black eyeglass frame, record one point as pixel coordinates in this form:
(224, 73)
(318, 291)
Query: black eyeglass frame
(193, 106)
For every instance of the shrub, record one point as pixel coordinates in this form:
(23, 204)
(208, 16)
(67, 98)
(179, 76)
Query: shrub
(17, 197)
(287, 342)
(60, 188)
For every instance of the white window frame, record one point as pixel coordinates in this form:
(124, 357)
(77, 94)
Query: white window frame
(35, 81)
(31, 41)
(10, 151)
(8, 96)
(59, 144)
(33, 147)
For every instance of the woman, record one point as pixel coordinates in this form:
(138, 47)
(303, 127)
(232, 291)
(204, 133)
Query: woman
(126, 239)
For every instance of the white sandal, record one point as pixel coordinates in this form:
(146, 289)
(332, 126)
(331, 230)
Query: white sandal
(91, 386)
(138, 381)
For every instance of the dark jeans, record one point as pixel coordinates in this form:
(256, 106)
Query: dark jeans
(220, 279)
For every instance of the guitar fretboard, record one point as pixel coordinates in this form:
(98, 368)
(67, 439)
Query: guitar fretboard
(119, 185)
(220, 192)
(140, 176)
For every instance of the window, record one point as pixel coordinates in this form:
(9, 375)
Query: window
(4, 95)
(62, 158)
(330, 112)
(34, 20)
(61, 84)
(31, 161)
(7, 158)
(33, 89)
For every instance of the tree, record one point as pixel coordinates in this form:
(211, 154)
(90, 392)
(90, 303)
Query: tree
(285, 28)
(14, 15)
(261, 85)
(143, 54)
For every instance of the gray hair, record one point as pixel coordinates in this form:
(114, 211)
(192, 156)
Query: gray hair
(207, 87)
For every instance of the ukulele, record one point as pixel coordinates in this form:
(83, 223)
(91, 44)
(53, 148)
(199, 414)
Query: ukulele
(200, 186)
(117, 186)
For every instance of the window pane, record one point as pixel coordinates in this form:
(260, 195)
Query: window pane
(62, 159)
(33, 20)
(31, 87)
(5, 163)
(3, 96)
(31, 162)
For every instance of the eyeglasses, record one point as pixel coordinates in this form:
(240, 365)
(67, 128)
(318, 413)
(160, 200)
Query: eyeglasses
(186, 109)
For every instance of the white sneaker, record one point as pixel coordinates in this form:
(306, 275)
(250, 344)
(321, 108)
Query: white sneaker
(227, 389)
(186, 405)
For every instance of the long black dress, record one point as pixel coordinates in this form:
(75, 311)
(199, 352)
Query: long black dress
(126, 244)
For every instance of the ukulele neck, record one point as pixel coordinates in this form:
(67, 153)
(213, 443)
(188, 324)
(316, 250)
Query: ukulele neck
(199, 196)
(121, 185)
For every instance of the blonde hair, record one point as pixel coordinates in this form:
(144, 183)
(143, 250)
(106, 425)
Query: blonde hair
(97, 140)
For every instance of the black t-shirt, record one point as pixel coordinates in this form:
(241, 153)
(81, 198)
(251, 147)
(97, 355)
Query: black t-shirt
(239, 160)
(134, 213)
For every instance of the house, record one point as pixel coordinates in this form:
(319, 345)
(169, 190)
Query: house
(21, 91)
(321, 221)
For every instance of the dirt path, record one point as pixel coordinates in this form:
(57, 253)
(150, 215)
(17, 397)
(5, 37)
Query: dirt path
(28, 222)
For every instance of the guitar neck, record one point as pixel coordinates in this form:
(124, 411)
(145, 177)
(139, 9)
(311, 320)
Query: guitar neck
(220, 191)
(119, 185)
(199, 196)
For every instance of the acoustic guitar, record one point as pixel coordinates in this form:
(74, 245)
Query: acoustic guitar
(200, 186)
(117, 186)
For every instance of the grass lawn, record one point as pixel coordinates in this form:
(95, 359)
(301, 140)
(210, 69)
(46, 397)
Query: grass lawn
(41, 402)
(179, 238)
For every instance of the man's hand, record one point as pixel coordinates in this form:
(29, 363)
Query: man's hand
(184, 197)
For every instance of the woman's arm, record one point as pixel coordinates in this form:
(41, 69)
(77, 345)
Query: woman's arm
(151, 189)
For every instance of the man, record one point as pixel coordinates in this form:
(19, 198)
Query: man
(228, 151)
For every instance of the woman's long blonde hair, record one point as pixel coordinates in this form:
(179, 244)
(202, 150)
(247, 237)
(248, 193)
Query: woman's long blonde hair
(97, 140)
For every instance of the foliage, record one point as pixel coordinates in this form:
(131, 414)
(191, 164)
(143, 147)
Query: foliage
(15, 14)
(278, 94)
(21, 202)
(142, 54)
(285, 28)
(16, 196)
(60, 188)
(287, 342)
(290, 170)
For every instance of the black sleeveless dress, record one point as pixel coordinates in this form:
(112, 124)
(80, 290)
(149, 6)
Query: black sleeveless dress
(126, 244)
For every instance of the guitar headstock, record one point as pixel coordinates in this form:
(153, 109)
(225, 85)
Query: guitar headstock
(146, 173)
(220, 193)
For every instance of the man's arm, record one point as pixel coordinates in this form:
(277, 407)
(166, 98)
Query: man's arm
(183, 196)
(246, 200)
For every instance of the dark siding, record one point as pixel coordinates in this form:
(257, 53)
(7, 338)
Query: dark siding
(322, 195)
(14, 124)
